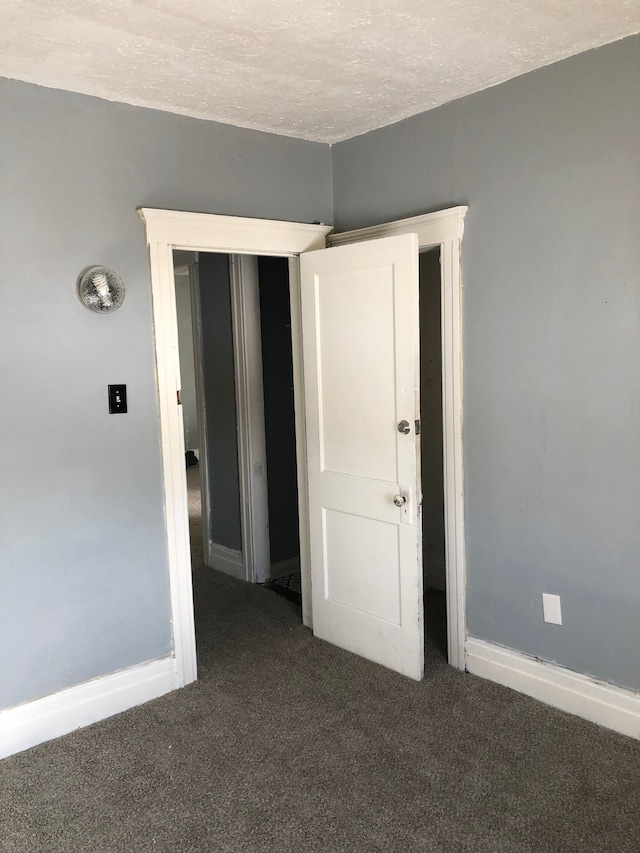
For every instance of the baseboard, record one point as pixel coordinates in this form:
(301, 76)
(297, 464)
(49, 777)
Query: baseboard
(284, 567)
(609, 706)
(43, 719)
(227, 560)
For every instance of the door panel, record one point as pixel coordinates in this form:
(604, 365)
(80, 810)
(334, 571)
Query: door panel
(359, 562)
(350, 393)
(361, 346)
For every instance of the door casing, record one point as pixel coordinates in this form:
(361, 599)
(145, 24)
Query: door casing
(167, 230)
(252, 449)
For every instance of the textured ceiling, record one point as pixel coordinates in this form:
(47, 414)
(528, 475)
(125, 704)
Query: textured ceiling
(324, 70)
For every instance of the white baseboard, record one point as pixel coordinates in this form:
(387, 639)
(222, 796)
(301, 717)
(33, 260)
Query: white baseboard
(43, 719)
(227, 560)
(594, 700)
(284, 567)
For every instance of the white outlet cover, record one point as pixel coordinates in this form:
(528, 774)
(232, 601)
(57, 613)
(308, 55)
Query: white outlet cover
(551, 609)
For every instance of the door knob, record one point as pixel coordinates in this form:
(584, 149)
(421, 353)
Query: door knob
(404, 427)
(400, 500)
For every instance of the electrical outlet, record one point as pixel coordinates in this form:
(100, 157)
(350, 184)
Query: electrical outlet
(551, 609)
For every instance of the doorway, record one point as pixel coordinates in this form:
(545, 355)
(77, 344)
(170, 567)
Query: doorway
(212, 419)
(238, 416)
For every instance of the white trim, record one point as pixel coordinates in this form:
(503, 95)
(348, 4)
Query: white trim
(594, 700)
(455, 557)
(60, 713)
(252, 442)
(210, 232)
(173, 467)
(227, 560)
(166, 230)
(295, 302)
(444, 228)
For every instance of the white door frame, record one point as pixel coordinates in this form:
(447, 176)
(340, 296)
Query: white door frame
(167, 230)
(444, 229)
(252, 447)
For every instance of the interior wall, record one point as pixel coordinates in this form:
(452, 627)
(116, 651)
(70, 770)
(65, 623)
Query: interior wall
(431, 455)
(279, 411)
(221, 422)
(549, 164)
(83, 560)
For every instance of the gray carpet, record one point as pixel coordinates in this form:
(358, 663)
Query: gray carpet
(289, 744)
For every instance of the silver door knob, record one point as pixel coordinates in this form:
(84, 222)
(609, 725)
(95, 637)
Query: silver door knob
(404, 427)
(400, 500)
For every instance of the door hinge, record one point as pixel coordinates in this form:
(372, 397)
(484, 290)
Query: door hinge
(417, 427)
(179, 398)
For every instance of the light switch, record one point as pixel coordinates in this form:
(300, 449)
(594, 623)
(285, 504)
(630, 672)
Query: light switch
(117, 399)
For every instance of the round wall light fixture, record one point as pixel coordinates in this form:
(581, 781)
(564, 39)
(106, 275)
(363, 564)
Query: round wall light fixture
(101, 289)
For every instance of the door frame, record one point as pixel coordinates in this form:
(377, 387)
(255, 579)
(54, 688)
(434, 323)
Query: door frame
(167, 230)
(252, 447)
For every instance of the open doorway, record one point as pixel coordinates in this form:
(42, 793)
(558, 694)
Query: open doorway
(238, 418)
(431, 456)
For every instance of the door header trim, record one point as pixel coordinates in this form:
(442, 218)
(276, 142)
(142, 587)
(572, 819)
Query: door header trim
(432, 228)
(234, 235)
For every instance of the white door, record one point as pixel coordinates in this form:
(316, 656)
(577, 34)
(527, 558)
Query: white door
(360, 334)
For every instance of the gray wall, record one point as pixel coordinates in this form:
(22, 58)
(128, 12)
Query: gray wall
(221, 423)
(83, 563)
(549, 164)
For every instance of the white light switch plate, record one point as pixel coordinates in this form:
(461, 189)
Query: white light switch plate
(551, 609)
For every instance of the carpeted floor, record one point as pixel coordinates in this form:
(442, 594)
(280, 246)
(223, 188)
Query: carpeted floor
(289, 744)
